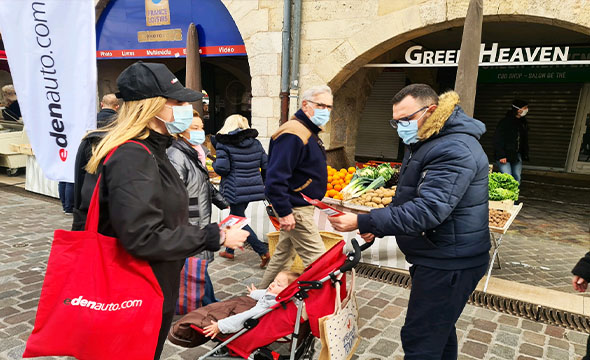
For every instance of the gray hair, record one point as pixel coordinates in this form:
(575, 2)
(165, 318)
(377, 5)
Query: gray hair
(312, 92)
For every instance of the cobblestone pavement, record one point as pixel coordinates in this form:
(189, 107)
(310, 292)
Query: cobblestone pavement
(27, 222)
(548, 237)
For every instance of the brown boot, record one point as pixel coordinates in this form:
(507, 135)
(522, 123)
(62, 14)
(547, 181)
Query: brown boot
(226, 255)
(265, 259)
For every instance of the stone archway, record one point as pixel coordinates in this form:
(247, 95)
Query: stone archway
(343, 67)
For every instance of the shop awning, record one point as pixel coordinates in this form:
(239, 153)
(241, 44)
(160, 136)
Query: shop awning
(158, 29)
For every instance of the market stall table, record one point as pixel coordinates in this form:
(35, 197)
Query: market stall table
(500, 231)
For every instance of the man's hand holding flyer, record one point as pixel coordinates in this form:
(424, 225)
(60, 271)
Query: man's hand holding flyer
(325, 208)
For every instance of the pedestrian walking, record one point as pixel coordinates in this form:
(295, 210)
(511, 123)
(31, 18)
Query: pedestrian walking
(439, 216)
(241, 161)
(108, 110)
(511, 139)
(188, 158)
(143, 202)
(296, 165)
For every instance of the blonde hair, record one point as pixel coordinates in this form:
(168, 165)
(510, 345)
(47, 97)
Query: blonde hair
(233, 122)
(132, 123)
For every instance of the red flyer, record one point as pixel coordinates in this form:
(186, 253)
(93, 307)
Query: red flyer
(234, 220)
(325, 208)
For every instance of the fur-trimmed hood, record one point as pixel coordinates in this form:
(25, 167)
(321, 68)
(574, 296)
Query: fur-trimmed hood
(450, 118)
(240, 138)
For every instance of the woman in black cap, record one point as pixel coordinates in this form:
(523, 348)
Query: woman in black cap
(143, 202)
(511, 143)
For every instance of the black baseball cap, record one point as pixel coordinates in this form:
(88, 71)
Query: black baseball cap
(148, 80)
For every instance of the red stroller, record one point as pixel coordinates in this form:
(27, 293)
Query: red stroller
(285, 318)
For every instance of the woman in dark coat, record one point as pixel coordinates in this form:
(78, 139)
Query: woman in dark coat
(188, 158)
(143, 202)
(241, 161)
(511, 144)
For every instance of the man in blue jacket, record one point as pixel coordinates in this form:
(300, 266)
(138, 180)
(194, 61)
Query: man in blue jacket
(439, 216)
(297, 165)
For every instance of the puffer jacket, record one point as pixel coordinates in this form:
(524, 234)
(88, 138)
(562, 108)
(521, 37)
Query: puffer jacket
(201, 192)
(241, 161)
(144, 204)
(439, 214)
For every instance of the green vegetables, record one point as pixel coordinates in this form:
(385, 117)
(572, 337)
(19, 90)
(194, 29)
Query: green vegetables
(502, 187)
(385, 171)
(368, 172)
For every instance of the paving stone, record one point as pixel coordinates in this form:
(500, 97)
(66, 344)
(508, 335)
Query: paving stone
(484, 325)
(531, 325)
(531, 350)
(378, 303)
(480, 336)
(576, 337)
(401, 302)
(507, 338)
(20, 317)
(391, 312)
(554, 331)
(559, 343)
(6, 311)
(369, 333)
(384, 347)
(474, 349)
(367, 294)
(504, 352)
(522, 357)
(380, 323)
(534, 338)
(367, 312)
(508, 320)
(557, 354)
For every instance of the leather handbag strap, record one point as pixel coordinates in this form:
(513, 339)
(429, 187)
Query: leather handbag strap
(94, 208)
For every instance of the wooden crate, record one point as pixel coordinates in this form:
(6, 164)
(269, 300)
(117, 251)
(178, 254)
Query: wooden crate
(506, 205)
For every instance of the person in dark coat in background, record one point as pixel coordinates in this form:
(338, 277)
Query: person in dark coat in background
(241, 161)
(108, 110)
(105, 117)
(439, 216)
(580, 283)
(511, 140)
(188, 158)
(143, 202)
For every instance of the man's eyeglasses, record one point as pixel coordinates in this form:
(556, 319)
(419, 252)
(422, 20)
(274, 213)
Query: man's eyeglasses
(405, 121)
(321, 105)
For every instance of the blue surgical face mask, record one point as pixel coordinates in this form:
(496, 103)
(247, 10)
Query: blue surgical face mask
(197, 137)
(183, 118)
(409, 134)
(320, 117)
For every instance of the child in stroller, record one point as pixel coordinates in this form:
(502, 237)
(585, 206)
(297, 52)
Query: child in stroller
(295, 317)
(228, 317)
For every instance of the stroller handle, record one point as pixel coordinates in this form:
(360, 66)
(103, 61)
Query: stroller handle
(353, 258)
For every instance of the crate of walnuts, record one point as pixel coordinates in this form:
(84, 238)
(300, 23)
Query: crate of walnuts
(502, 213)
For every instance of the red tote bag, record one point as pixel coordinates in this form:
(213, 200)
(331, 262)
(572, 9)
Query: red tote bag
(97, 301)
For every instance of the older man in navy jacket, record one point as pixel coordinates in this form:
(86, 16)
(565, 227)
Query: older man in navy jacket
(297, 165)
(439, 216)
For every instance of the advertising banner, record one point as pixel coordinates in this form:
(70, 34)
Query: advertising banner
(51, 51)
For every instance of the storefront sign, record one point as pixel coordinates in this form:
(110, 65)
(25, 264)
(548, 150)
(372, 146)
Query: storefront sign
(157, 12)
(159, 35)
(544, 73)
(124, 32)
(53, 69)
(490, 55)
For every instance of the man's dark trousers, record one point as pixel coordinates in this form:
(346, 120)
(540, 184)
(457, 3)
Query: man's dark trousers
(436, 301)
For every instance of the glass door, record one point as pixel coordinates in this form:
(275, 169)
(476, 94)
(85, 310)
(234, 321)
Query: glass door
(579, 155)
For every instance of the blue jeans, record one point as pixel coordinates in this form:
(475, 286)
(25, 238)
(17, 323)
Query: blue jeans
(257, 245)
(512, 168)
(66, 195)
